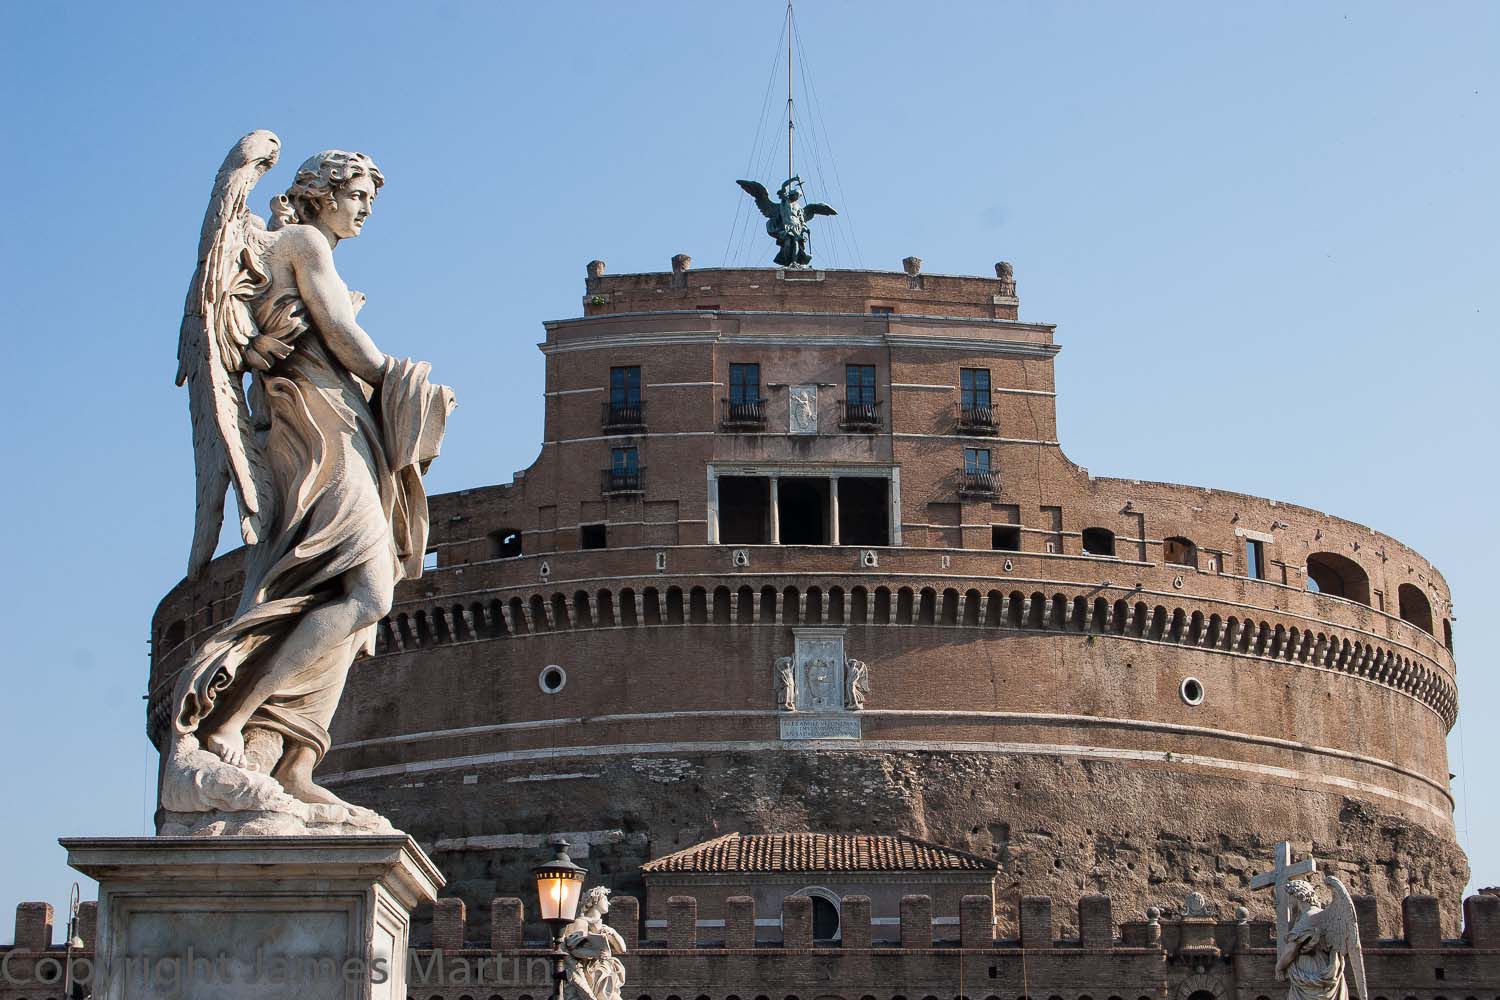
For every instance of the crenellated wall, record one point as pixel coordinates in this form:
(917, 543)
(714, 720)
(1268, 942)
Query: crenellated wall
(1019, 953)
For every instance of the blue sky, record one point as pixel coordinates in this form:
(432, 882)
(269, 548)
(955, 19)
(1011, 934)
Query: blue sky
(1267, 236)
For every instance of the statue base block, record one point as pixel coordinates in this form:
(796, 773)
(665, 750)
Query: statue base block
(319, 918)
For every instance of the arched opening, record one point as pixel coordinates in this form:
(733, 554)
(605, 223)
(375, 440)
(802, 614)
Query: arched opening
(606, 606)
(721, 606)
(1337, 576)
(814, 614)
(744, 606)
(505, 543)
(674, 605)
(539, 614)
(651, 605)
(825, 920)
(927, 608)
(903, 606)
(1448, 634)
(1414, 606)
(859, 606)
(1179, 551)
(950, 607)
(176, 632)
(698, 606)
(1099, 541)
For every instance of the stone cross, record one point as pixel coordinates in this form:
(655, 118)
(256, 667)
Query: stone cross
(1277, 878)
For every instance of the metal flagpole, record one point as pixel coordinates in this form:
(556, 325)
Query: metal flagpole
(789, 172)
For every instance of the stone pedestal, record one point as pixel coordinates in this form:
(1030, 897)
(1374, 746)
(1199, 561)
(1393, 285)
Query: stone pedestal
(318, 918)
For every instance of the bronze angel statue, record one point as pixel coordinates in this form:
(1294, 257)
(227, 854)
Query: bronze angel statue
(1322, 949)
(324, 440)
(786, 219)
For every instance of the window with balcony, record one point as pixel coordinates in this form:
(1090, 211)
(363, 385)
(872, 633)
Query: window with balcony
(625, 408)
(624, 474)
(744, 407)
(975, 415)
(861, 410)
(977, 476)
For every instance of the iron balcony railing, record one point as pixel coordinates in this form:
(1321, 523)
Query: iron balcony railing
(976, 419)
(626, 416)
(859, 416)
(977, 482)
(624, 480)
(742, 413)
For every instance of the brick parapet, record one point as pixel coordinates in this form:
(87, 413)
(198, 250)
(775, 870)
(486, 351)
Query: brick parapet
(724, 969)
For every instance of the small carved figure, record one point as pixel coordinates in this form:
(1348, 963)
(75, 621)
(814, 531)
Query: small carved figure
(804, 414)
(593, 971)
(1197, 906)
(786, 220)
(325, 448)
(786, 684)
(1323, 946)
(856, 684)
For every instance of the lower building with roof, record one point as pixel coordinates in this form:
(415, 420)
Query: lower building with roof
(824, 867)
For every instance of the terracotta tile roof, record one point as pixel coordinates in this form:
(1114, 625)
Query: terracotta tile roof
(817, 852)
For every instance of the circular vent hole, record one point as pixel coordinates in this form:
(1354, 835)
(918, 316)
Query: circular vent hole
(1192, 690)
(552, 679)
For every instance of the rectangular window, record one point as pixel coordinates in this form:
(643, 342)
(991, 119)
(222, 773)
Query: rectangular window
(859, 385)
(1005, 537)
(975, 388)
(625, 386)
(429, 559)
(1255, 559)
(592, 536)
(882, 310)
(976, 460)
(744, 384)
(624, 461)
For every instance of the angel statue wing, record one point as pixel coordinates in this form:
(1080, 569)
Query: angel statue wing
(817, 208)
(216, 344)
(1341, 928)
(763, 201)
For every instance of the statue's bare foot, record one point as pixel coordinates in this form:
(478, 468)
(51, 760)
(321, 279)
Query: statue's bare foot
(229, 745)
(302, 788)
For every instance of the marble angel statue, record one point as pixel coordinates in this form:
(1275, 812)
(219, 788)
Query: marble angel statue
(594, 972)
(1322, 949)
(325, 448)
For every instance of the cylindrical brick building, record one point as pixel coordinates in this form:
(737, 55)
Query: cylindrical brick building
(1105, 685)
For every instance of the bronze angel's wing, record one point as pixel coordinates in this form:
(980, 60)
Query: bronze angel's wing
(1341, 929)
(818, 208)
(763, 200)
(216, 343)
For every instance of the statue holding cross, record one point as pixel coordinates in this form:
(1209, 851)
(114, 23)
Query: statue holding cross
(1316, 947)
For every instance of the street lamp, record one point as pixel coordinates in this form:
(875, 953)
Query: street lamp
(559, 883)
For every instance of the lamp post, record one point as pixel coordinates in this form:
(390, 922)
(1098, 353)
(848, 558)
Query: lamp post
(73, 944)
(559, 884)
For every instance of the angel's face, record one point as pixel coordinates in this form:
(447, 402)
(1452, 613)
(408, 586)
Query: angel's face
(351, 206)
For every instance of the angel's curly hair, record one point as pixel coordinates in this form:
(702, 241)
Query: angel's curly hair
(318, 179)
(1302, 890)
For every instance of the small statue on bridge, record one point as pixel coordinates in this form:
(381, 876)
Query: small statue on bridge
(786, 220)
(594, 972)
(1317, 948)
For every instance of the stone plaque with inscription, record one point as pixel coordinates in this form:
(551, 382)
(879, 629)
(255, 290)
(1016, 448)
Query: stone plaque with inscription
(820, 727)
